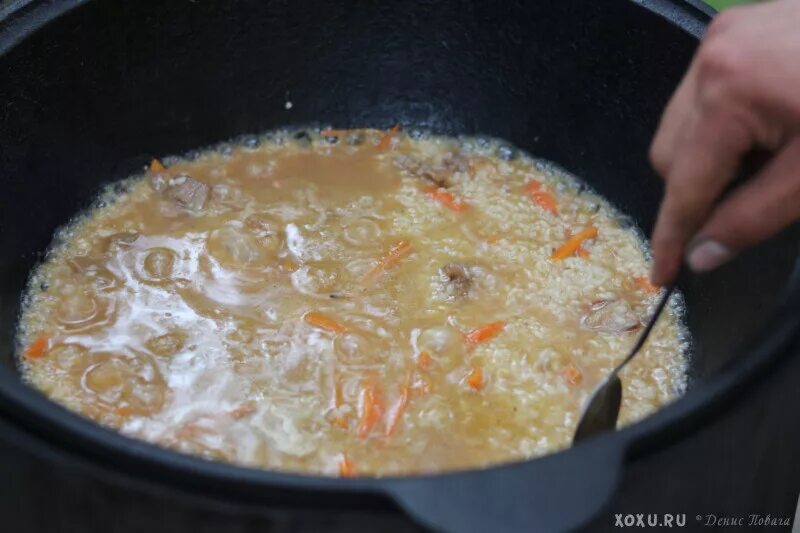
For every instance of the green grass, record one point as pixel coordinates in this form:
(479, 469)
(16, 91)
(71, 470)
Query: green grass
(722, 4)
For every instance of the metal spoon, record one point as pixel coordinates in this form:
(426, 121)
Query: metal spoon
(602, 411)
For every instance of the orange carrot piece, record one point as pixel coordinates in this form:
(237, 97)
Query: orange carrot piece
(573, 243)
(543, 199)
(424, 360)
(337, 419)
(156, 166)
(447, 199)
(124, 411)
(386, 141)
(318, 320)
(336, 397)
(396, 411)
(583, 253)
(237, 413)
(643, 283)
(484, 333)
(546, 201)
(572, 374)
(370, 409)
(475, 379)
(38, 347)
(534, 186)
(346, 468)
(397, 252)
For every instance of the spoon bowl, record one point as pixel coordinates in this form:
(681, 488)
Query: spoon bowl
(602, 409)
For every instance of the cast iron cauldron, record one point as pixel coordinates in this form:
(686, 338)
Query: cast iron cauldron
(90, 90)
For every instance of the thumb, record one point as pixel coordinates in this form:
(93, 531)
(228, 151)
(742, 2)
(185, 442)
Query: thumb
(754, 212)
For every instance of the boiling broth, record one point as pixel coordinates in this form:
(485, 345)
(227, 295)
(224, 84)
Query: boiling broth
(348, 303)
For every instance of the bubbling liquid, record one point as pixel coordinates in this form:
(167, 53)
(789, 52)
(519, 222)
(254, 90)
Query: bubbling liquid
(352, 303)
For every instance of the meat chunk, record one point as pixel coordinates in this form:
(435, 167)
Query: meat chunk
(436, 176)
(456, 162)
(187, 192)
(457, 280)
(611, 316)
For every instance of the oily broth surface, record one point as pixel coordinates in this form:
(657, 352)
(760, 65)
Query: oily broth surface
(262, 328)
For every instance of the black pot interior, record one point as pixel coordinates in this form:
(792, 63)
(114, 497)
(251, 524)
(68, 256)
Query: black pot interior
(94, 94)
(97, 92)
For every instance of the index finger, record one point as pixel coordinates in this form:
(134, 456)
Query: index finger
(704, 162)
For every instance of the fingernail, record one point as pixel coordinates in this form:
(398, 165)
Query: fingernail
(708, 255)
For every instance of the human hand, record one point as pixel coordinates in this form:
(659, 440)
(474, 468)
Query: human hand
(742, 91)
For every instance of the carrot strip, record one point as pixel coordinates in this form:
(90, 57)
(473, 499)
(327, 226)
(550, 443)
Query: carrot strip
(643, 283)
(337, 419)
(544, 199)
(475, 379)
(336, 397)
(572, 374)
(38, 347)
(396, 411)
(124, 411)
(370, 409)
(156, 166)
(318, 320)
(583, 253)
(447, 199)
(573, 243)
(484, 333)
(397, 252)
(386, 140)
(424, 360)
(346, 468)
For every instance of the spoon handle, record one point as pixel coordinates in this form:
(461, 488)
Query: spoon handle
(662, 302)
